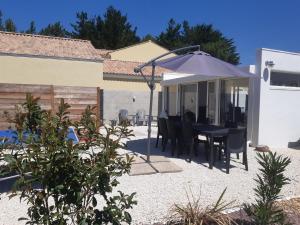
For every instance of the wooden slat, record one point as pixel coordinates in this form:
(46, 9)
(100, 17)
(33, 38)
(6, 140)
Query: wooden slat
(18, 95)
(77, 97)
(76, 101)
(24, 88)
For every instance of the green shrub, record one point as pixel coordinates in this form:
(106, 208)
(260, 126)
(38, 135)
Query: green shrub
(193, 213)
(76, 180)
(269, 185)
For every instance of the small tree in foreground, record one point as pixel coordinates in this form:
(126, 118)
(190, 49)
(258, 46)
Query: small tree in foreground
(75, 180)
(269, 185)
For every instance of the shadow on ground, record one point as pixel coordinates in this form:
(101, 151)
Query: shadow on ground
(139, 146)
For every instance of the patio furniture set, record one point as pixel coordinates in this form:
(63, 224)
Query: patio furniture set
(185, 133)
(138, 119)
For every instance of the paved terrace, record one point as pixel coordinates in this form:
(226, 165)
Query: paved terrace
(157, 192)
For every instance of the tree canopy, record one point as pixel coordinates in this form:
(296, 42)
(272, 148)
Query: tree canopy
(31, 29)
(112, 30)
(7, 25)
(210, 40)
(55, 29)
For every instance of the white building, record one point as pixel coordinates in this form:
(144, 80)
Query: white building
(268, 105)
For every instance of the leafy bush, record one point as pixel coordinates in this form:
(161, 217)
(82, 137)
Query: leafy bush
(76, 180)
(194, 214)
(269, 185)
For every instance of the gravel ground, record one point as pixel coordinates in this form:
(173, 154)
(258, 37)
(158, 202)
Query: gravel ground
(158, 192)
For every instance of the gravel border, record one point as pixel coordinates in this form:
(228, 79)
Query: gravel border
(157, 193)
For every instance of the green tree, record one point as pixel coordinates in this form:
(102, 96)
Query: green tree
(84, 28)
(55, 29)
(210, 40)
(31, 29)
(270, 182)
(10, 26)
(172, 37)
(113, 31)
(1, 21)
(76, 181)
(148, 37)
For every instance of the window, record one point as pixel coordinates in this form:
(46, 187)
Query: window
(188, 98)
(285, 79)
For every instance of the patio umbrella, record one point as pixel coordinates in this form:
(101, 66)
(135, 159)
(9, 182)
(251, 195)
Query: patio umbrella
(197, 63)
(202, 63)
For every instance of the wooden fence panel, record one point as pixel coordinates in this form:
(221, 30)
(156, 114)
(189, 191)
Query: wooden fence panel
(77, 97)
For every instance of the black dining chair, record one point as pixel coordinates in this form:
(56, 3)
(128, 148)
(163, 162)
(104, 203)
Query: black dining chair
(202, 119)
(173, 133)
(189, 116)
(188, 139)
(236, 142)
(220, 141)
(163, 132)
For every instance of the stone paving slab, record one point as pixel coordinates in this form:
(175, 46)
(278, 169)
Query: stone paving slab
(156, 158)
(166, 167)
(159, 164)
(141, 167)
(137, 160)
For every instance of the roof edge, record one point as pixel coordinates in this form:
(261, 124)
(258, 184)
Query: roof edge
(51, 57)
(120, 76)
(44, 36)
(140, 43)
(278, 51)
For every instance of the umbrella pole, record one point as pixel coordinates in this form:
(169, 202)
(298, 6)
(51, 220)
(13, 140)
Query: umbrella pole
(152, 87)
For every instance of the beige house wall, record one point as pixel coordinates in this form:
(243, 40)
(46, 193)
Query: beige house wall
(33, 70)
(142, 52)
(127, 85)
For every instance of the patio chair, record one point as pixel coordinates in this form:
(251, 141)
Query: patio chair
(173, 133)
(123, 116)
(175, 118)
(188, 139)
(202, 116)
(236, 142)
(163, 132)
(140, 117)
(220, 141)
(189, 116)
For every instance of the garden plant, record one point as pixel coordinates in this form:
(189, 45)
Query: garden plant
(64, 182)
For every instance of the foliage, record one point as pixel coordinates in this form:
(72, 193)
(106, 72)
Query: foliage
(210, 40)
(269, 185)
(194, 214)
(1, 21)
(31, 29)
(113, 31)
(56, 30)
(76, 181)
(7, 25)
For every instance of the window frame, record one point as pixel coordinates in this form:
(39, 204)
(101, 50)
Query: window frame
(281, 87)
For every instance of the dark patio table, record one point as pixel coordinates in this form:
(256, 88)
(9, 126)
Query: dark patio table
(211, 131)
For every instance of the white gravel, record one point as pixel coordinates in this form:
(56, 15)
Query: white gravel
(158, 192)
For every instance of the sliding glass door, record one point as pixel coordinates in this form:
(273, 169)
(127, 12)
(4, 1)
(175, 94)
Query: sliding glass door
(234, 101)
(188, 98)
(211, 102)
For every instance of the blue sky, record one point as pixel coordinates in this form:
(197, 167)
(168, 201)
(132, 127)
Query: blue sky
(252, 24)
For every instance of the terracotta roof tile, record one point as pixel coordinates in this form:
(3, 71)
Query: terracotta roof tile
(38, 45)
(104, 53)
(127, 67)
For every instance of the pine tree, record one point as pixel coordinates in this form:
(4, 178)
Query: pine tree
(10, 26)
(55, 29)
(31, 29)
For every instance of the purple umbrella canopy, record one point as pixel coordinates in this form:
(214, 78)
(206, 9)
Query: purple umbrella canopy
(202, 63)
